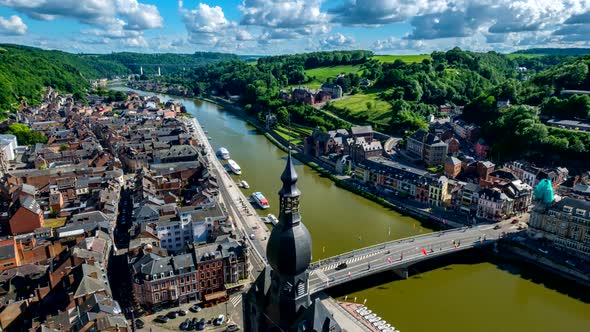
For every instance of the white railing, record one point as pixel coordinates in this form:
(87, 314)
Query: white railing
(379, 246)
(380, 267)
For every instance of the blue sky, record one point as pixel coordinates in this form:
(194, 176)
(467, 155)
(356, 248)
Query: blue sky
(277, 27)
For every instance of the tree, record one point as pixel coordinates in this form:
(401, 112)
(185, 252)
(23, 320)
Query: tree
(283, 115)
(24, 135)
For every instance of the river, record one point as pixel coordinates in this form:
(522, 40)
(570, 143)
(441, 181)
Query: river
(467, 294)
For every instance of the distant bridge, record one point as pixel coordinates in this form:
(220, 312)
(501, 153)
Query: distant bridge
(397, 255)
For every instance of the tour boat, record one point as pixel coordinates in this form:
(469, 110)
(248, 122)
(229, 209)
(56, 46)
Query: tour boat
(273, 220)
(234, 167)
(223, 153)
(244, 184)
(259, 198)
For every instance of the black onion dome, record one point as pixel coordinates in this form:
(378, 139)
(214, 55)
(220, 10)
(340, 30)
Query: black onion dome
(289, 249)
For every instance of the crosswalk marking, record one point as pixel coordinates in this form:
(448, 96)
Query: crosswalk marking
(350, 261)
(236, 300)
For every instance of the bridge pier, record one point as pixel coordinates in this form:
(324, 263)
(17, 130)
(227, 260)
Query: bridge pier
(401, 272)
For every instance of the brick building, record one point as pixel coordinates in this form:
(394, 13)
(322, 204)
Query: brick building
(27, 218)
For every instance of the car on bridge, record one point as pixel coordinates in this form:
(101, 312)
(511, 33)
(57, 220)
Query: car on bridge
(341, 266)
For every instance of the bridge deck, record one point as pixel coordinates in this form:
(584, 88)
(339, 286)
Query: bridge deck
(396, 254)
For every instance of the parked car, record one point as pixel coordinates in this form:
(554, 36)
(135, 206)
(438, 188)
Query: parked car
(181, 312)
(139, 324)
(162, 319)
(543, 251)
(514, 221)
(570, 263)
(219, 320)
(201, 325)
(172, 314)
(194, 323)
(195, 308)
(184, 325)
(497, 227)
(232, 328)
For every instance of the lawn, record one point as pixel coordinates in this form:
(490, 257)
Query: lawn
(380, 109)
(54, 222)
(323, 73)
(294, 134)
(404, 58)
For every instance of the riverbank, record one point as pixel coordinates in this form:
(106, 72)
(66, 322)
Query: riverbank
(340, 221)
(516, 251)
(327, 171)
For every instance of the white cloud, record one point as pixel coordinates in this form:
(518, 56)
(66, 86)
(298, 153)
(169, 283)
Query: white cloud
(282, 14)
(137, 16)
(379, 12)
(13, 25)
(285, 19)
(337, 41)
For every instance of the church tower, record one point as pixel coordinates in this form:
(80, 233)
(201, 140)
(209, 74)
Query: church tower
(279, 299)
(289, 254)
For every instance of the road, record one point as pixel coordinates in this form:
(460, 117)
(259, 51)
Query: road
(247, 221)
(400, 254)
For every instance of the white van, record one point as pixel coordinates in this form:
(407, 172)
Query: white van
(219, 320)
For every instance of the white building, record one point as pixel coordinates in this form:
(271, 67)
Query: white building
(174, 235)
(8, 144)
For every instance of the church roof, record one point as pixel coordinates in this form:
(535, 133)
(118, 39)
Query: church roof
(289, 245)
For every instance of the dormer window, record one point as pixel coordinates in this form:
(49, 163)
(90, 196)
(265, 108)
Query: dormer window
(580, 212)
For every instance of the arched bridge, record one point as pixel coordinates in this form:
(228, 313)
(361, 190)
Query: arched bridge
(397, 255)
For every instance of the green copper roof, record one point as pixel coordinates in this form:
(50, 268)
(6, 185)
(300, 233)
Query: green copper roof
(544, 191)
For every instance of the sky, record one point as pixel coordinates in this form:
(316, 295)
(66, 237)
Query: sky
(260, 27)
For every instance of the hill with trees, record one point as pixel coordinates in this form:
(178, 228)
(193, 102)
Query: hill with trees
(555, 51)
(26, 71)
(519, 132)
(404, 93)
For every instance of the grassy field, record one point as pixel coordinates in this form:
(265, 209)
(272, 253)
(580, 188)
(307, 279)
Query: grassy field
(404, 58)
(526, 56)
(379, 112)
(323, 73)
(295, 134)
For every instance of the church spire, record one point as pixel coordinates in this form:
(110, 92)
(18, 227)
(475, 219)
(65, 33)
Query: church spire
(289, 195)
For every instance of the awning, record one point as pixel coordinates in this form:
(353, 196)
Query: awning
(215, 296)
(240, 283)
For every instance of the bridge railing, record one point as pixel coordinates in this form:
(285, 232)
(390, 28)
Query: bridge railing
(380, 267)
(382, 245)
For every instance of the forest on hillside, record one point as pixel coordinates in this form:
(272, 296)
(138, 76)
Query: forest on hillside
(414, 90)
(26, 71)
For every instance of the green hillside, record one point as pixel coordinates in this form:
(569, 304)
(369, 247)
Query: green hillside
(404, 58)
(320, 75)
(26, 71)
(169, 63)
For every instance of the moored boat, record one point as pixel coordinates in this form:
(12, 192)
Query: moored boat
(273, 220)
(234, 167)
(259, 199)
(223, 153)
(244, 184)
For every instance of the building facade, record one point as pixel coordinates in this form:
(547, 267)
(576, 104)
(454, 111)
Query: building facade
(566, 224)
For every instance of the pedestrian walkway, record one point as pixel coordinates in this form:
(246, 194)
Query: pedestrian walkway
(350, 261)
(235, 300)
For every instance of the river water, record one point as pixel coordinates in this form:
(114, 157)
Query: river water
(462, 293)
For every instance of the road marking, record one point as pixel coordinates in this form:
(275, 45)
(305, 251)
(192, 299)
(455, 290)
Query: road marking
(236, 300)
